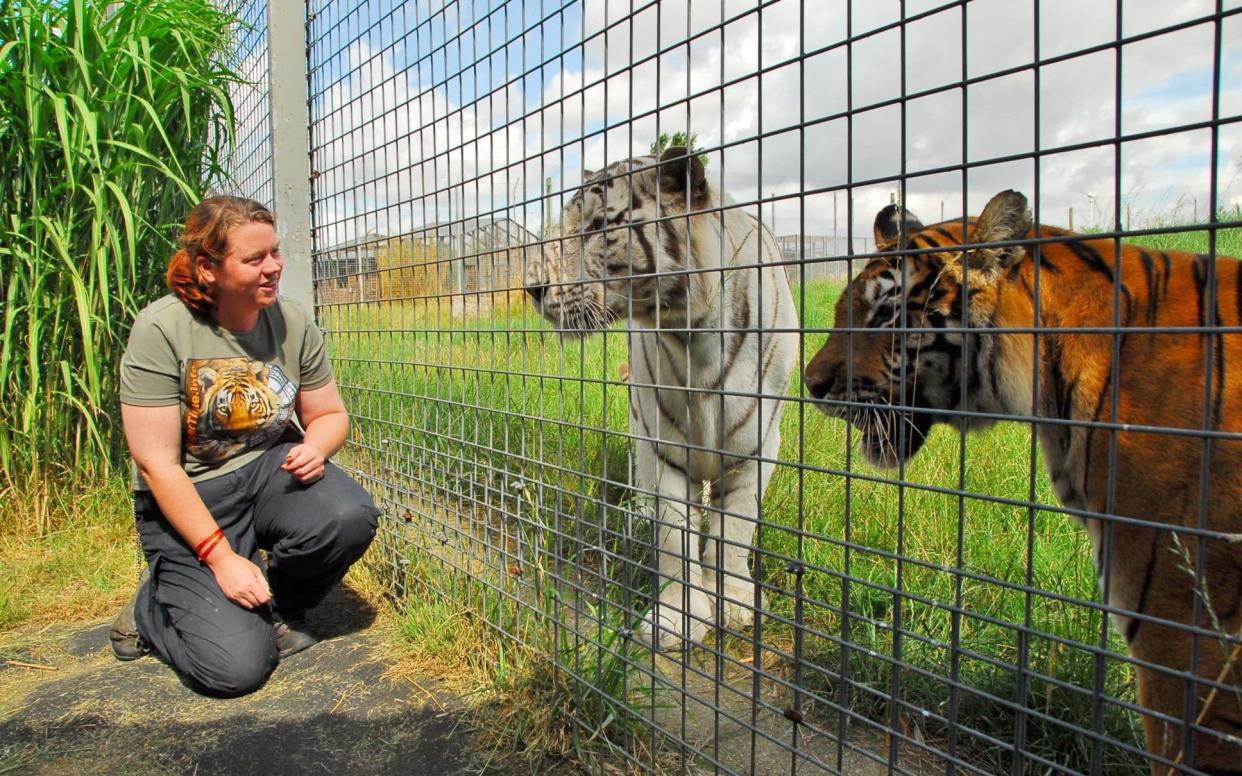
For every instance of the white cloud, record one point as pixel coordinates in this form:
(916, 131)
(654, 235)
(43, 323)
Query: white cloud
(393, 155)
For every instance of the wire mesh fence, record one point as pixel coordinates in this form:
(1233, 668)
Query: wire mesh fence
(250, 163)
(726, 522)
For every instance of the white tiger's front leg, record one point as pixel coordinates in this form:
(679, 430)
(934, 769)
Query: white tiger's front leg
(681, 610)
(741, 492)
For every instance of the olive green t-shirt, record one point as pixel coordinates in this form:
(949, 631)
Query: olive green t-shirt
(236, 390)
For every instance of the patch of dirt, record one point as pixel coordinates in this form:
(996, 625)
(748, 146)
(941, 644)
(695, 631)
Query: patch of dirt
(68, 707)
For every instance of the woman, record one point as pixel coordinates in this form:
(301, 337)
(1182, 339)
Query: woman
(211, 380)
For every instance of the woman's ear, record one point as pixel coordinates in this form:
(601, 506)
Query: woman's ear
(205, 270)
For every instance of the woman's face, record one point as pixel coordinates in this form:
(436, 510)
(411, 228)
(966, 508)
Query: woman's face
(249, 276)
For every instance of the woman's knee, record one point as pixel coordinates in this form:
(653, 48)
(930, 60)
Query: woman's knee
(241, 681)
(340, 535)
(235, 666)
(356, 526)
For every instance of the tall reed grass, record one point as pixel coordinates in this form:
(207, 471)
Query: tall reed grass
(114, 120)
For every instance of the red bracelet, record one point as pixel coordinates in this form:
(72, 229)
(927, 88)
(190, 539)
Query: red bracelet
(216, 539)
(205, 547)
(199, 549)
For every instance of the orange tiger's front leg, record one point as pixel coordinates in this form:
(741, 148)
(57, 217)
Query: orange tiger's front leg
(1206, 735)
(1215, 726)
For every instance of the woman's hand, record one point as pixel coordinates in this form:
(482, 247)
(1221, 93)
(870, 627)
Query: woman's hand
(326, 423)
(154, 436)
(304, 462)
(242, 581)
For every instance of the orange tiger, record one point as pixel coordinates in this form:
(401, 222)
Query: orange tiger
(894, 391)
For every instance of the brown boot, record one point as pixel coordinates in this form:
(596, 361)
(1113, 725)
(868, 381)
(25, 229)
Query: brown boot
(127, 643)
(292, 635)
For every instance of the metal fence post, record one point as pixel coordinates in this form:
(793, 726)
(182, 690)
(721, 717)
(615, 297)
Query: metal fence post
(291, 198)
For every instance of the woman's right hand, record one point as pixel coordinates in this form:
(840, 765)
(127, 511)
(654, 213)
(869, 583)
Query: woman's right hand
(242, 581)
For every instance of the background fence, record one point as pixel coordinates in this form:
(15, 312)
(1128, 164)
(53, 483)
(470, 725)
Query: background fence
(942, 617)
(250, 164)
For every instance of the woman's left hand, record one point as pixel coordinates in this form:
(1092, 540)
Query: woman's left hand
(304, 462)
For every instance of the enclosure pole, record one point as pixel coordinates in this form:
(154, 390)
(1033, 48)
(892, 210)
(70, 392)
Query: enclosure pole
(291, 190)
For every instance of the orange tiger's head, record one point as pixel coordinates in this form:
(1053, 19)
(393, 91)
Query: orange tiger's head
(894, 364)
(236, 397)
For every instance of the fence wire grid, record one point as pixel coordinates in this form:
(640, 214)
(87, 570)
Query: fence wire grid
(249, 165)
(590, 481)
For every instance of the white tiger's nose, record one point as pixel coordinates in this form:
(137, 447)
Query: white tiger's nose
(537, 291)
(537, 271)
(536, 281)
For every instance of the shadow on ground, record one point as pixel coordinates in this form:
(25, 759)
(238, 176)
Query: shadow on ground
(337, 708)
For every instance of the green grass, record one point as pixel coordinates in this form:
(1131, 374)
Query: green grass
(467, 421)
(506, 635)
(1228, 241)
(82, 569)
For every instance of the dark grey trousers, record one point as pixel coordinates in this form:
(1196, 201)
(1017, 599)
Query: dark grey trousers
(313, 534)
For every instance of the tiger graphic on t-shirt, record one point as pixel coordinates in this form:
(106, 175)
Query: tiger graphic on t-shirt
(234, 404)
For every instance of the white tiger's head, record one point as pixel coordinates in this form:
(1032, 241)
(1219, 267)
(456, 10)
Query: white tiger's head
(616, 257)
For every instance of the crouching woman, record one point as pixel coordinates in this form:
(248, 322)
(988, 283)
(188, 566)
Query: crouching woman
(231, 413)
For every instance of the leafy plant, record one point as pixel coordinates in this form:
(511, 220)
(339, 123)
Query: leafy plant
(115, 119)
(690, 141)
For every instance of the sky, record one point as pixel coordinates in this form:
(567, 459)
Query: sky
(429, 111)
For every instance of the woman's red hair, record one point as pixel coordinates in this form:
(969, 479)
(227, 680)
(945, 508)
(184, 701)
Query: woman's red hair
(206, 235)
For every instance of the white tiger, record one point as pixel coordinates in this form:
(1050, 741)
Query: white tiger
(702, 345)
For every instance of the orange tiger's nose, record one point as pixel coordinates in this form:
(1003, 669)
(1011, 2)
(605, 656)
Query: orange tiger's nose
(821, 382)
(818, 387)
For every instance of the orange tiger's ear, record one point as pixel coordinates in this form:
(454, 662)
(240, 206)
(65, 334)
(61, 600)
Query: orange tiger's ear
(1005, 217)
(888, 226)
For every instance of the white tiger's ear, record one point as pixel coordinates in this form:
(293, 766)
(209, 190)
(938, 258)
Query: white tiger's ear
(679, 168)
(1005, 217)
(889, 224)
(588, 174)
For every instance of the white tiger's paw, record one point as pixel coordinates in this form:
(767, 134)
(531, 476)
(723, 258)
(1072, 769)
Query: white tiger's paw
(738, 616)
(738, 603)
(673, 628)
